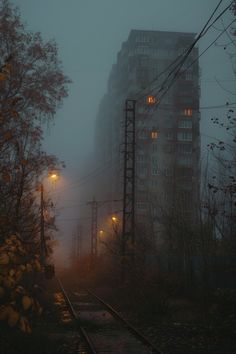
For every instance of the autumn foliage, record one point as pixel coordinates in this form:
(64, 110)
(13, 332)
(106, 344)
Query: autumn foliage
(32, 88)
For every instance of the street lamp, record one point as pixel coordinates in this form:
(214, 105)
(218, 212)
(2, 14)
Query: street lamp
(114, 219)
(43, 247)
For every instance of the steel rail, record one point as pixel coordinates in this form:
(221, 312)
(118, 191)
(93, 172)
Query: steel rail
(128, 325)
(83, 333)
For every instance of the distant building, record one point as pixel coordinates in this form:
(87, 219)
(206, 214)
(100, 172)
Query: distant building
(167, 136)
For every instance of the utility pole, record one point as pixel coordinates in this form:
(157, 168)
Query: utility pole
(94, 229)
(43, 247)
(94, 225)
(78, 242)
(128, 229)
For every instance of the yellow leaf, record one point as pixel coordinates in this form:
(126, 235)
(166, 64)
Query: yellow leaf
(29, 267)
(11, 272)
(24, 325)
(13, 237)
(4, 259)
(37, 265)
(13, 317)
(18, 275)
(2, 292)
(2, 77)
(22, 267)
(15, 114)
(6, 177)
(24, 162)
(19, 290)
(7, 68)
(26, 302)
(7, 135)
(8, 282)
(4, 312)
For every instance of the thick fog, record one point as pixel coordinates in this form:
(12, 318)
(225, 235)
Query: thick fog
(89, 35)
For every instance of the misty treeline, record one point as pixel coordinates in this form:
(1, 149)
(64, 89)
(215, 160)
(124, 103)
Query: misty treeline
(32, 87)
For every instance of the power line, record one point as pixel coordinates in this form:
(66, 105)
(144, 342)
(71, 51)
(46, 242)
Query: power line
(73, 219)
(86, 204)
(204, 30)
(85, 179)
(203, 52)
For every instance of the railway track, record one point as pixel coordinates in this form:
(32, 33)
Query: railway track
(102, 329)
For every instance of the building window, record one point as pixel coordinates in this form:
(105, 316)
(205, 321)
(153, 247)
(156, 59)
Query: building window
(185, 124)
(184, 172)
(143, 133)
(188, 75)
(155, 171)
(168, 148)
(142, 50)
(184, 136)
(142, 206)
(141, 157)
(154, 134)
(169, 136)
(185, 160)
(154, 183)
(142, 169)
(154, 147)
(154, 165)
(185, 148)
(142, 39)
(188, 112)
(168, 172)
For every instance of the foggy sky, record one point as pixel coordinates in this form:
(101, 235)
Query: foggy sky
(89, 33)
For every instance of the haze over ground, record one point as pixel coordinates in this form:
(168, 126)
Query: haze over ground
(89, 35)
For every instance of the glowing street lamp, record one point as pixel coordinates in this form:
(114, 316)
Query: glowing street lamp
(52, 176)
(114, 219)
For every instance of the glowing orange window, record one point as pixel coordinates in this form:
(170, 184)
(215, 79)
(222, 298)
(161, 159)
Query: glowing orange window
(154, 134)
(188, 112)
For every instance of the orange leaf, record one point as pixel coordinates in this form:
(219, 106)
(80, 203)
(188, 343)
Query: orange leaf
(6, 177)
(8, 135)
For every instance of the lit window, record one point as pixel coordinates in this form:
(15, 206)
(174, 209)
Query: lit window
(188, 112)
(151, 100)
(154, 134)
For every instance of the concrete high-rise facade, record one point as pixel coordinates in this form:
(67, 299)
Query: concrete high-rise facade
(167, 133)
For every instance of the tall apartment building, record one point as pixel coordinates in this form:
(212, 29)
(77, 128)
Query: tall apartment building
(167, 134)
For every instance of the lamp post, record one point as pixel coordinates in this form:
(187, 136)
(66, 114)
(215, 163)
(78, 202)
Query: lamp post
(43, 247)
